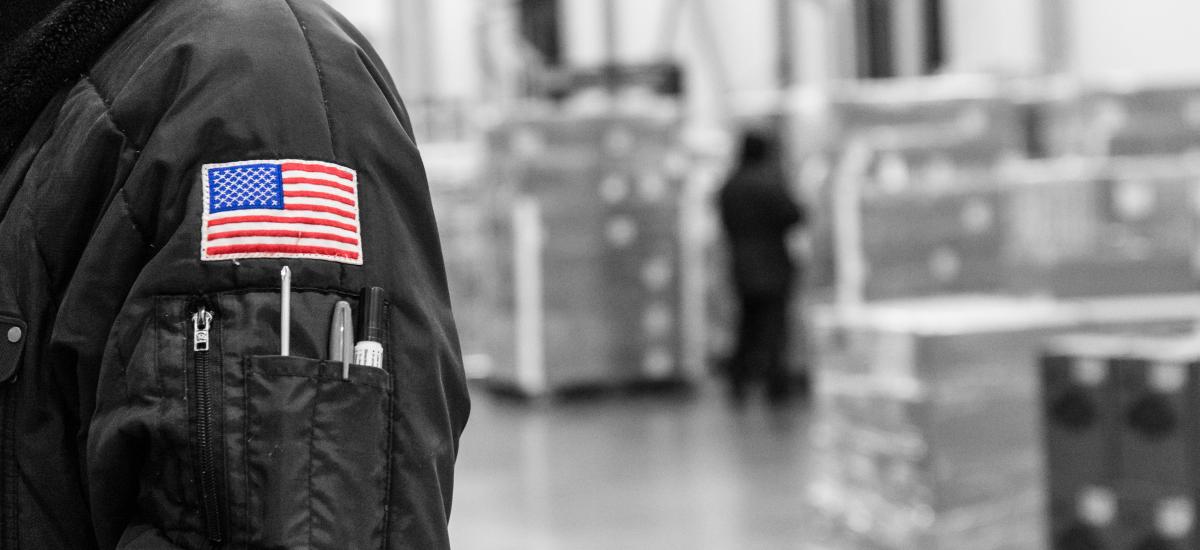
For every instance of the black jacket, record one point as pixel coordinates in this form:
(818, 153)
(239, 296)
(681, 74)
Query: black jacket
(757, 213)
(116, 428)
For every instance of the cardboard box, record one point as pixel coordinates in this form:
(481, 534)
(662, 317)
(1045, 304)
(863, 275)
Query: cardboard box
(928, 411)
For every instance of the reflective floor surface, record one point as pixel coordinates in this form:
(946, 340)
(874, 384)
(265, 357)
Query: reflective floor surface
(661, 472)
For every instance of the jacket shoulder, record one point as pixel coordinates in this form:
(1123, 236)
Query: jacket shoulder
(235, 62)
(197, 82)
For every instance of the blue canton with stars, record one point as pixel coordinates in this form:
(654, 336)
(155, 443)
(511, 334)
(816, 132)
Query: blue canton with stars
(245, 187)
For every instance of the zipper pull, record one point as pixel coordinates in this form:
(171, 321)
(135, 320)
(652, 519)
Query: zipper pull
(201, 321)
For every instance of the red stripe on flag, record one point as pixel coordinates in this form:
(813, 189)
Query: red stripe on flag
(281, 219)
(319, 195)
(319, 208)
(280, 249)
(314, 181)
(321, 168)
(283, 233)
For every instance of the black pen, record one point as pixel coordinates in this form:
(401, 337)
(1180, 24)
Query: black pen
(369, 350)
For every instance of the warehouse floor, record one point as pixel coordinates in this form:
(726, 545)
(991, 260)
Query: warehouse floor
(661, 472)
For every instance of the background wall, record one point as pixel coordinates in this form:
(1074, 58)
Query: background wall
(993, 36)
(468, 50)
(1148, 38)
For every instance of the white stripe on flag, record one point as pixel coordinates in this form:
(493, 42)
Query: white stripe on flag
(295, 201)
(317, 176)
(277, 226)
(283, 214)
(284, 240)
(318, 189)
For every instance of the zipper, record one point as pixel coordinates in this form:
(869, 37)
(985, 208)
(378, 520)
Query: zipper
(205, 425)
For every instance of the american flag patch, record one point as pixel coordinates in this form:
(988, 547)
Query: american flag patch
(280, 209)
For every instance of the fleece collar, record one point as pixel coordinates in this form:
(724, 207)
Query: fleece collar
(52, 54)
(18, 16)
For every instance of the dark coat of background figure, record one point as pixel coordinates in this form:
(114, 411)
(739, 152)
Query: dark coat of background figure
(758, 212)
(114, 431)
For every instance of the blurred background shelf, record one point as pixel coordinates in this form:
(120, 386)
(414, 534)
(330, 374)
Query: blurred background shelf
(988, 179)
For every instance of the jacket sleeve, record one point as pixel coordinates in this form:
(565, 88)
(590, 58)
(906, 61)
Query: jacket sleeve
(229, 441)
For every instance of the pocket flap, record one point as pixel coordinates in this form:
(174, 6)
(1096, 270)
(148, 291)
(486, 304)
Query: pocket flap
(12, 341)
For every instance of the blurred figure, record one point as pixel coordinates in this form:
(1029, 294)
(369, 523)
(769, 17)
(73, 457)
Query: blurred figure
(758, 212)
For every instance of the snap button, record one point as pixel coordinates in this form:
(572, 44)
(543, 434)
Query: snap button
(10, 351)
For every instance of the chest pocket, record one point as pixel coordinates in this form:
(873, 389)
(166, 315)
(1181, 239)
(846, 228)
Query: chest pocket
(272, 451)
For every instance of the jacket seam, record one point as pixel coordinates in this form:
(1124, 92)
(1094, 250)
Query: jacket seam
(312, 429)
(37, 245)
(248, 507)
(257, 289)
(123, 194)
(108, 113)
(385, 539)
(137, 152)
(10, 510)
(320, 72)
(54, 128)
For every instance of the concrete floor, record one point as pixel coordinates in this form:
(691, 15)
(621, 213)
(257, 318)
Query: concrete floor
(654, 472)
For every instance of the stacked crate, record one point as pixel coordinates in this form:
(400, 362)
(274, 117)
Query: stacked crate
(1122, 432)
(1120, 222)
(924, 139)
(926, 421)
(589, 211)
(468, 253)
(908, 401)
(1067, 228)
(1125, 226)
(1121, 121)
(925, 182)
(926, 242)
(464, 227)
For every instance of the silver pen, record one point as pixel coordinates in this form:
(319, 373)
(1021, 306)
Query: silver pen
(285, 311)
(341, 337)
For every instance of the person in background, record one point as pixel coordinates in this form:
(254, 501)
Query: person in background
(758, 212)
